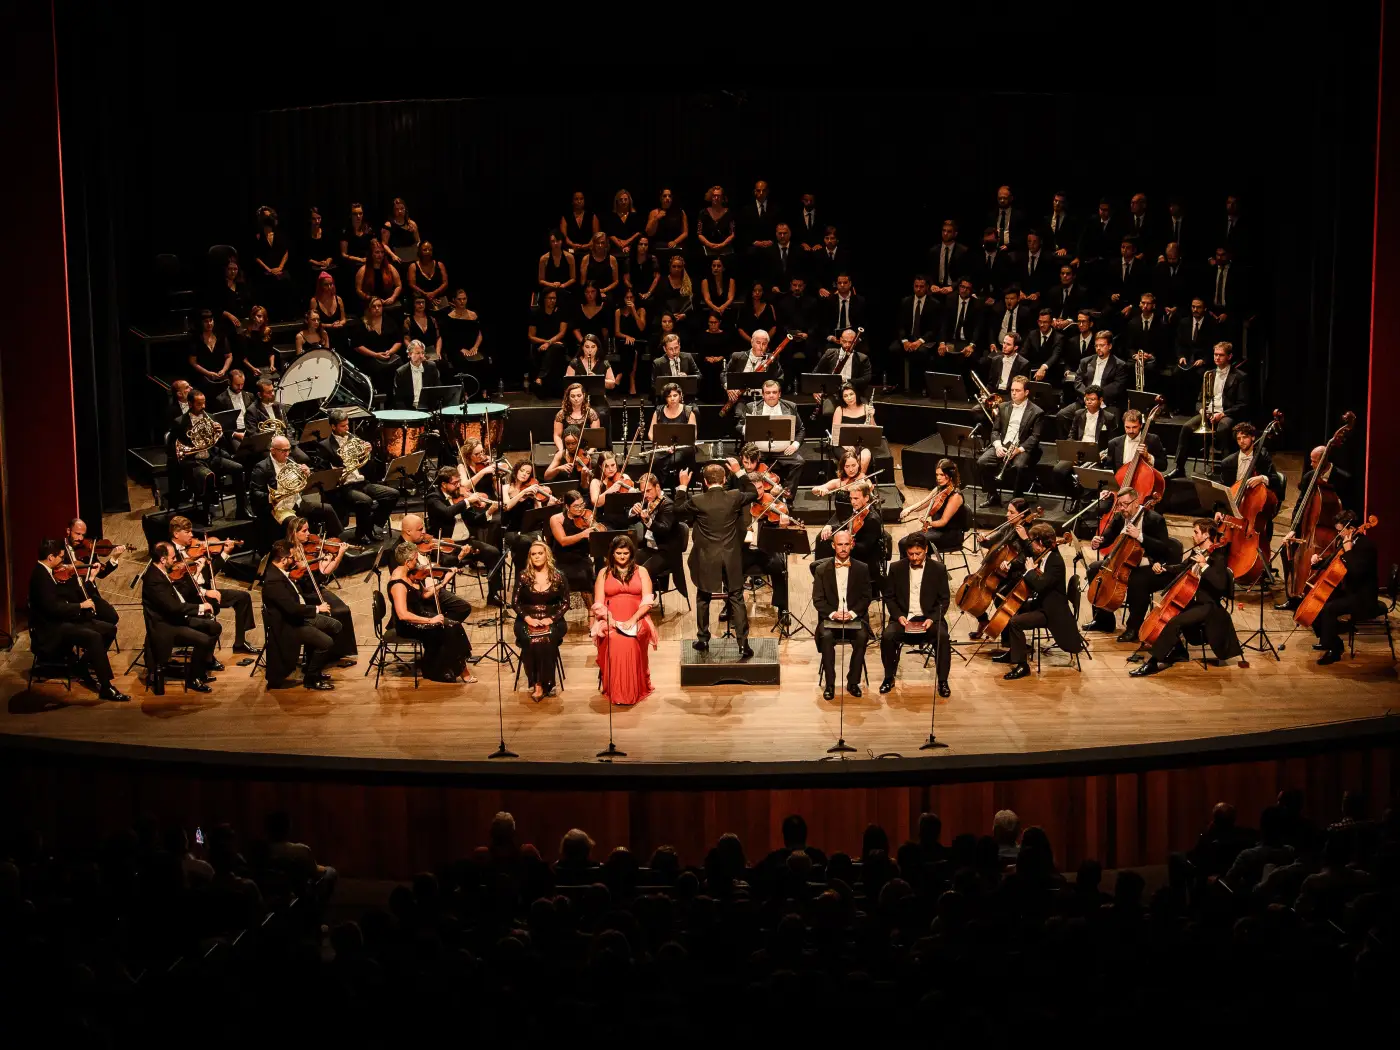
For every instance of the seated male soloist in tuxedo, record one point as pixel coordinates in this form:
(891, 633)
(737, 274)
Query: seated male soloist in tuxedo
(841, 593)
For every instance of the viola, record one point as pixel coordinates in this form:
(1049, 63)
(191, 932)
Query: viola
(1312, 518)
(1255, 505)
(1139, 475)
(582, 521)
(1178, 595)
(978, 589)
(1326, 579)
(935, 507)
(324, 547)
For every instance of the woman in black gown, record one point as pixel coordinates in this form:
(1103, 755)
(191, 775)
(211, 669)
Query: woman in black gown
(461, 343)
(270, 265)
(623, 225)
(557, 269)
(571, 528)
(630, 324)
(756, 313)
(668, 226)
(355, 240)
(258, 353)
(643, 271)
(319, 255)
(541, 600)
(420, 325)
(414, 614)
(344, 647)
(231, 300)
(578, 225)
(210, 356)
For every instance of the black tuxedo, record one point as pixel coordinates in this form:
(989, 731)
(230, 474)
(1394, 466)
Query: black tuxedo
(824, 266)
(293, 624)
(909, 366)
(926, 328)
(1154, 338)
(1024, 321)
(1233, 298)
(1029, 441)
(57, 620)
(991, 368)
(1099, 242)
(1048, 606)
(719, 518)
(777, 268)
(1128, 288)
(1173, 286)
(854, 313)
(1184, 233)
(1157, 546)
(1357, 596)
(1037, 276)
(969, 330)
(1117, 376)
(1066, 300)
(1066, 237)
(1205, 614)
(1234, 404)
(955, 269)
(230, 597)
(223, 402)
(170, 621)
(754, 226)
(1195, 341)
(660, 366)
(403, 383)
(1044, 350)
(806, 230)
(989, 277)
(826, 597)
(933, 603)
(1146, 230)
(1016, 223)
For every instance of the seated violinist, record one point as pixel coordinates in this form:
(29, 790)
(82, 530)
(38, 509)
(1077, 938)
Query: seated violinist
(1015, 532)
(863, 522)
(444, 507)
(520, 493)
(172, 620)
(942, 517)
(570, 529)
(305, 624)
(850, 468)
(454, 607)
(58, 623)
(613, 481)
(1144, 526)
(758, 562)
(205, 559)
(322, 559)
(569, 464)
(93, 567)
(1204, 615)
(1357, 595)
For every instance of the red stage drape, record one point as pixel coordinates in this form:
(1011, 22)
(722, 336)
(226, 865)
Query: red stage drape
(1382, 493)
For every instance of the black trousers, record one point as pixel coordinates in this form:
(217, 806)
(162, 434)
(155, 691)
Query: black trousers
(789, 468)
(857, 637)
(165, 636)
(1016, 476)
(1015, 633)
(914, 361)
(454, 607)
(734, 601)
(773, 565)
(1193, 616)
(1142, 582)
(371, 504)
(203, 473)
(241, 602)
(894, 635)
(1187, 442)
(105, 612)
(92, 638)
(318, 636)
(1339, 604)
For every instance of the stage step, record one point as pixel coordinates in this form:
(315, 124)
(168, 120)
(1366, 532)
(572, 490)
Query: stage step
(721, 664)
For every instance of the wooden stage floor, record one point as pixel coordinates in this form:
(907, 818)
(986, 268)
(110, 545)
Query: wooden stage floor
(1059, 710)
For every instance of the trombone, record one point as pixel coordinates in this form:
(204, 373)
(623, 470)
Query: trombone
(1206, 430)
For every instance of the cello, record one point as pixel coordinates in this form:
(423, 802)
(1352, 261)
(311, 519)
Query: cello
(1327, 578)
(1180, 593)
(978, 589)
(1252, 507)
(1137, 474)
(1311, 527)
(1109, 588)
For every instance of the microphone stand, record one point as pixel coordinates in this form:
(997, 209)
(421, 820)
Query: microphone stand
(933, 743)
(841, 747)
(501, 750)
(508, 652)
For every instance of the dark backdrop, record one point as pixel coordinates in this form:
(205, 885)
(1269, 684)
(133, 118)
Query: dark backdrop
(890, 140)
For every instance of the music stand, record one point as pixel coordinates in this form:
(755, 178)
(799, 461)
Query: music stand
(226, 420)
(1044, 395)
(1077, 452)
(1210, 493)
(1091, 480)
(863, 437)
(678, 434)
(314, 431)
(1143, 400)
(436, 398)
(820, 383)
(625, 500)
(766, 431)
(945, 387)
(323, 481)
(536, 519)
(595, 438)
(774, 539)
(738, 379)
(404, 468)
(594, 386)
(690, 385)
(842, 629)
(256, 443)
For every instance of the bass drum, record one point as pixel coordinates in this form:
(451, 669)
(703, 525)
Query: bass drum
(321, 379)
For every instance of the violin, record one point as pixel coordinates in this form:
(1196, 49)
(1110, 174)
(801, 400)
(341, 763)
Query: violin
(1327, 578)
(1312, 518)
(1253, 507)
(1137, 474)
(978, 589)
(582, 521)
(199, 548)
(1178, 595)
(90, 552)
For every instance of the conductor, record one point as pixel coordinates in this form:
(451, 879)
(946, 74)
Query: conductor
(716, 557)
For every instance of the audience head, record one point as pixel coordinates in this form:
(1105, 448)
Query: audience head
(1006, 826)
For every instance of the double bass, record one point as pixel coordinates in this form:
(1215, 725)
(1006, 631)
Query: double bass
(978, 589)
(1313, 516)
(1327, 578)
(1137, 474)
(1109, 588)
(1252, 507)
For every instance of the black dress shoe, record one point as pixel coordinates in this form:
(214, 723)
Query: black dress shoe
(1177, 472)
(700, 645)
(724, 615)
(1319, 648)
(1288, 606)
(829, 693)
(1128, 636)
(745, 652)
(1151, 667)
(110, 692)
(214, 665)
(943, 689)
(246, 649)
(1331, 656)
(1094, 625)
(1178, 654)
(1019, 671)
(886, 685)
(198, 685)
(992, 501)
(320, 684)
(156, 684)
(1002, 657)
(853, 688)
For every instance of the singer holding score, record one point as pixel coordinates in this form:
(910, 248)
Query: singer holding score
(841, 593)
(622, 629)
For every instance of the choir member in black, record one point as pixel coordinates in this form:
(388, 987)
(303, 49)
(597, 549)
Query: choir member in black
(785, 459)
(663, 539)
(414, 597)
(756, 560)
(1127, 278)
(668, 225)
(623, 225)
(210, 355)
(304, 623)
(916, 592)
(1148, 528)
(1093, 423)
(797, 318)
(262, 479)
(1196, 333)
(717, 294)
(399, 230)
(356, 238)
(578, 225)
(172, 621)
(1172, 281)
(421, 326)
(1205, 615)
(630, 325)
(826, 265)
(1015, 444)
(715, 225)
(1042, 349)
(869, 539)
(427, 277)
(672, 409)
(599, 269)
(643, 272)
(1148, 336)
(1357, 596)
(1048, 605)
(1002, 364)
(915, 338)
(677, 292)
(76, 536)
(672, 361)
(412, 529)
(841, 593)
(713, 346)
(410, 379)
(844, 309)
(198, 584)
(945, 510)
(322, 566)
(548, 327)
(205, 462)
(1060, 228)
(571, 528)
(1035, 269)
(557, 269)
(1228, 402)
(377, 278)
(444, 507)
(370, 502)
(231, 300)
(256, 349)
(946, 261)
(847, 361)
(718, 517)
(756, 314)
(540, 602)
(1012, 314)
(1101, 369)
(780, 261)
(57, 622)
(1020, 542)
(521, 493)
(375, 346)
(962, 334)
(328, 303)
(318, 254)
(989, 268)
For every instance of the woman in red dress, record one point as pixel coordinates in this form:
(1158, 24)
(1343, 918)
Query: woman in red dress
(622, 628)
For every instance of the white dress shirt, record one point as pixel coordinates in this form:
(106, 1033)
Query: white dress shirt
(1100, 366)
(1217, 394)
(1091, 427)
(1008, 322)
(240, 402)
(416, 371)
(1008, 362)
(1013, 425)
(916, 583)
(1243, 465)
(675, 365)
(843, 576)
(1130, 447)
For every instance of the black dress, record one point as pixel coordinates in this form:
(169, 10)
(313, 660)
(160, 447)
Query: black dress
(633, 354)
(400, 236)
(377, 283)
(574, 561)
(616, 226)
(547, 365)
(234, 301)
(558, 274)
(765, 319)
(381, 373)
(540, 652)
(641, 272)
(446, 647)
(213, 360)
(342, 644)
(596, 325)
(256, 348)
(427, 336)
(357, 244)
(578, 232)
(716, 230)
(668, 228)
